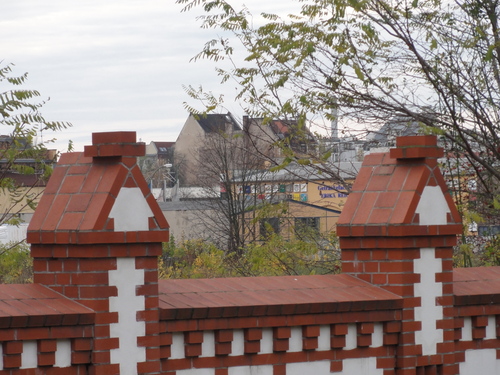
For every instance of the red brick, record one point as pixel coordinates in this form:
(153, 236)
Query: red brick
(336, 366)
(252, 347)
(90, 278)
(148, 341)
(45, 346)
(82, 344)
(309, 343)
(194, 350)
(144, 262)
(12, 361)
(279, 369)
(147, 290)
(340, 329)
(114, 137)
(105, 370)
(165, 339)
(478, 333)
(337, 342)
(280, 345)
(40, 265)
(365, 328)
(152, 328)
(310, 331)
(70, 265)
(80, 357)
(364, 340)
(97, 305)
(148, 316)
(282, 332)
(379, 279)
(44, 278)
(479, 321)
(63, 278)
(222, 348)
(106, 318)
(253, 334)
(97, 264)
(12, 347)
(193, 337)
(372, 267)
(165, 352)
(46, 359)
(106, 343)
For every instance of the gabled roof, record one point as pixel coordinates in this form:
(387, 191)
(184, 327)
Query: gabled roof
(162, 147)
(401, 192)
(289, 129)
(34, 305)
(99, 196)
(217, 122)
(260, 296)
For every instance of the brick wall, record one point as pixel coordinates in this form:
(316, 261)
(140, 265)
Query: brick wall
(398, 308)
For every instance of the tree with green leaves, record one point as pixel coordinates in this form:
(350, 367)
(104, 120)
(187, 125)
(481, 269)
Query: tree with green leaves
(25, 160)
(364, 62)
(277, 256)
(16, 264)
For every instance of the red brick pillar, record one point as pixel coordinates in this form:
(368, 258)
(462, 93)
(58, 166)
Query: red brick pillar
(397, 231)
(96, 236)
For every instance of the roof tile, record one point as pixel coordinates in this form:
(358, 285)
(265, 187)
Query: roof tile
(269, 295)
(33, 304)
(387, 192)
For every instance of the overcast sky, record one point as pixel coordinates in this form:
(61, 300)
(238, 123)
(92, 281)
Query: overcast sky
(111, 65)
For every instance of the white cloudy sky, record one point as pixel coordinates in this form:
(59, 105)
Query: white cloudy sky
(110, 65)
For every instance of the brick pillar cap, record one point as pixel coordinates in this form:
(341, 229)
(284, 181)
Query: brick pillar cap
(415, 147)
(112, 144)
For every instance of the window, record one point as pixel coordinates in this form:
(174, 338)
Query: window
(304, 225)
(269, 226)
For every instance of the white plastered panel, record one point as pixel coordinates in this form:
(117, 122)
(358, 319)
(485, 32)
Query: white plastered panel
(63, 353)
(127, 303)
(428, 289)
(131, 211)
(432, 207)
(483, 361)
(29, 355)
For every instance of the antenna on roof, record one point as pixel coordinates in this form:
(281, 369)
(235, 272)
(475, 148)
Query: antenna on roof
(335, 120)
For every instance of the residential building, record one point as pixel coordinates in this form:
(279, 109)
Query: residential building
(268, 138)
(162, 151)
(192, 139)
(24, 177)
(290, 219)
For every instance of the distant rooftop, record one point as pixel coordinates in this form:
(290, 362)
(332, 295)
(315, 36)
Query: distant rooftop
(217, 122)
